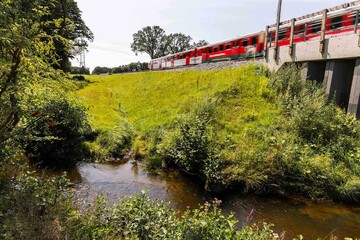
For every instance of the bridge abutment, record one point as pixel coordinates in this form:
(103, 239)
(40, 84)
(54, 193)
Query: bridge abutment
(337, 79)
(313, 71)
(354, 101)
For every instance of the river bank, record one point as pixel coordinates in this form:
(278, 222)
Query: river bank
(294, 216)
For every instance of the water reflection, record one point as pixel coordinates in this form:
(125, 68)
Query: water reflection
(118, 180)
(296, 216)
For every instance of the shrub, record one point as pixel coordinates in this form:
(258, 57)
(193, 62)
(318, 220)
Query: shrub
(320, 141)
(191, 147)
(58, 132)
(139, 217)
(111, 144)
(31, 207)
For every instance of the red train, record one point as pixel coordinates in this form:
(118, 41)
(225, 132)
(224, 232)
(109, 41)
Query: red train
(342, 19)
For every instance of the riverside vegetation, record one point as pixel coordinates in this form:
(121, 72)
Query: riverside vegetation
(237, 129)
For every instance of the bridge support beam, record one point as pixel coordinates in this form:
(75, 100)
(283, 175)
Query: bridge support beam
(354, 101)
(338, 77)
(314, 70)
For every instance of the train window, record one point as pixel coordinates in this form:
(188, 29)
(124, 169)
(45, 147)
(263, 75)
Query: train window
(234, 44)
(253, 40)
(215, 49)
(281, 35)
(244, 42)
(336, 22)
(228, 46)
(210, 50)
(315, 27)
(221, 47)
(299, 29)
(238, 43)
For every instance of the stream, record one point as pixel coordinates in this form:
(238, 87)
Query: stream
(294, 216)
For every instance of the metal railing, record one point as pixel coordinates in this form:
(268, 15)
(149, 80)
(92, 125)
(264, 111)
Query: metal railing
(316, 27)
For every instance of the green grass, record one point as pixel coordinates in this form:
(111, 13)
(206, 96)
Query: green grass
(152, 99)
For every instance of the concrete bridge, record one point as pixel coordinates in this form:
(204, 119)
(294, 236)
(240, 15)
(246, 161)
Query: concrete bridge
(331, 57)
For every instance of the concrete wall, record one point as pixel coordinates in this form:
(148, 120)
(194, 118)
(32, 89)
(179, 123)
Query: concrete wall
(313, 71)
(354, 101)
(338, 78)
(335, 47)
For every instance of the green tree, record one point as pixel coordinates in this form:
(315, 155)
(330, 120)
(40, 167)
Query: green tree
(150, 40)
(80, 70)
(101, 70)
(200, 43)
(27, 53)
(178, 42)
(154, 41)
(22, 50)
(65, 17)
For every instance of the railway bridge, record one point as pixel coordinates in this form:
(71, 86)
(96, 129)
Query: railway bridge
(331, 59)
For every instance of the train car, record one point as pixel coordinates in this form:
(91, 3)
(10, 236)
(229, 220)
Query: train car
(340, 20)
(249, 46)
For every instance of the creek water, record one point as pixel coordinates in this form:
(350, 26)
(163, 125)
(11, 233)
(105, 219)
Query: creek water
(294, 216)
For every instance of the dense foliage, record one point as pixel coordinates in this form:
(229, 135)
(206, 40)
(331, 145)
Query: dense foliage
(65, 18)
(79, 70)
(57, 135)
(131, 67)
(34, 108)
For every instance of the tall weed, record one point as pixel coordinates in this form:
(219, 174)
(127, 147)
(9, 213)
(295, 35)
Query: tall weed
(320, 157)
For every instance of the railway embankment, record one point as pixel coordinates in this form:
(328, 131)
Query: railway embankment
(239, 129)
(217, 65)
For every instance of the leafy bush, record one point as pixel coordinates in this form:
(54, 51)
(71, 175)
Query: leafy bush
(111, 144)
(31, 207)
(58, 132)
(139, 217)
(191, 147)
(320, 142)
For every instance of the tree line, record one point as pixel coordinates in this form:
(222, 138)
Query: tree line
(131, 67)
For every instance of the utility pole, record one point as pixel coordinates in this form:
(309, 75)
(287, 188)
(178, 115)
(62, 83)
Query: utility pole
(82, 50)
(277, 30)
(82, 58)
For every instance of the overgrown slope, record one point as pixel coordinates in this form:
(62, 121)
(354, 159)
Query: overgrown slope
(234, 128)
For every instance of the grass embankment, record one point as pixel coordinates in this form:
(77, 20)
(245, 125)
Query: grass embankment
(233, 128)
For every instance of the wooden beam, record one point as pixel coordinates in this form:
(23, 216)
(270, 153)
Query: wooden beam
(277, 29)
(291, 45)
(323, 29)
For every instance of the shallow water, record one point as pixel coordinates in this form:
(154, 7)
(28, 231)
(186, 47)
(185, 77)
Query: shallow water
(295, 216)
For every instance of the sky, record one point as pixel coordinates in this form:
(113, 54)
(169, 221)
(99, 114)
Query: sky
(113, 22)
